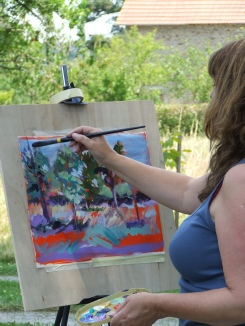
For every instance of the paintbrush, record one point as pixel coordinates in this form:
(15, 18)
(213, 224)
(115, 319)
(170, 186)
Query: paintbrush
(67, 139)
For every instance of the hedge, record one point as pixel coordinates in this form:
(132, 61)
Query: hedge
(184, 118)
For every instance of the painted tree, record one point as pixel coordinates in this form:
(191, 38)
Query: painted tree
(88, 177)
(110, 179)
(67, 167)
(36, 165)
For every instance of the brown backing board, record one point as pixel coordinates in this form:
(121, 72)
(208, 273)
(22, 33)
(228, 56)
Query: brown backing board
(39, 288)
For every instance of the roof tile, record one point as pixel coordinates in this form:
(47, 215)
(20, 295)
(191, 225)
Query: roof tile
(180, 12)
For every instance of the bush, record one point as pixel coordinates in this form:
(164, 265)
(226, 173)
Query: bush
(6, 97)
(184, 118)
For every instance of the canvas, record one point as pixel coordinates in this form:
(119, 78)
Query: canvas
(79, 211)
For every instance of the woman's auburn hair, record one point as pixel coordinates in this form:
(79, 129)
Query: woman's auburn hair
(224, 122)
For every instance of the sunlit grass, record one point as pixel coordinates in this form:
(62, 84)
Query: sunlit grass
(6, 246)
(10, 297)
(8, 268)
(196, 161)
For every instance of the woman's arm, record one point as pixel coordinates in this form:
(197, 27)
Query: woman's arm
(216, 307)
(225, 306)
(174, 190)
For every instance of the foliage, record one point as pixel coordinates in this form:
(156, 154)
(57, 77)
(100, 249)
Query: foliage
(18, 36)
(31, 54)
(70, 182)
(171, 153)
(6, 97)
(189, 77)
(187, 119)
(135, 66)
(131, 66)
(128, 68)
(80, 12)
(98, 8)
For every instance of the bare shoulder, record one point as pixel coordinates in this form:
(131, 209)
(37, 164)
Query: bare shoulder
(231, 194)
(235, 176)
(233, 187)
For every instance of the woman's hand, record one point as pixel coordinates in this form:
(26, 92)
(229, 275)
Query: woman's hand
(137, 310)
(98, 146)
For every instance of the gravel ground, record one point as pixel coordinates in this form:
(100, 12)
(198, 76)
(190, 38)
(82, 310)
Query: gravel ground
(48, 318)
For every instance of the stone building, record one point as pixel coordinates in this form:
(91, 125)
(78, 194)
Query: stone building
(194, 22)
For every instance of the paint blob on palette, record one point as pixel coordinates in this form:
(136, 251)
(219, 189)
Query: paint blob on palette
(101, 311)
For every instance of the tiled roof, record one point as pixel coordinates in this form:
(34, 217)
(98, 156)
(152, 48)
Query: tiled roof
(179, 12)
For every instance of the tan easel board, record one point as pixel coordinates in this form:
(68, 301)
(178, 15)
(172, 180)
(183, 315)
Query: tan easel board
(41, 289)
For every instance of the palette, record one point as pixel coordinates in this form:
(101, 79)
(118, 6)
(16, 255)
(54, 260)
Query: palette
(100, 311)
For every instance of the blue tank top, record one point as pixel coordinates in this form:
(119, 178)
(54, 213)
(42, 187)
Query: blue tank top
(195, 253)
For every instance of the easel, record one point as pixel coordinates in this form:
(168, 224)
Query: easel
(41, 289)
(62, 316)
(63, 312)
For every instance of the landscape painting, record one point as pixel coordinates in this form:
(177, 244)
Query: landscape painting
(79, 210)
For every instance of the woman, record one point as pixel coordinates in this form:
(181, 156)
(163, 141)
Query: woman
(208, 249)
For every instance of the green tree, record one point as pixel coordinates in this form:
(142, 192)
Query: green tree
(128, 68)
(17, 34)
(189, 79)
(80, 12)
(30, 53)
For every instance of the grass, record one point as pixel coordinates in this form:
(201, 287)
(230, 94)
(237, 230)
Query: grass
(6, 246)
(11, 300)
(8, 269)
(196, 161)
(10, 296)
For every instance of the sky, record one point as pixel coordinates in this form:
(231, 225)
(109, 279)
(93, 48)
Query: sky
(102, 25)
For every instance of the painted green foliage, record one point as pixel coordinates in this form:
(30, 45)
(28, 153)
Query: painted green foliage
(70, 180)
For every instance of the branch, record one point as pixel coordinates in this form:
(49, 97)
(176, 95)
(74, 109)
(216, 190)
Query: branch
(23, 5)
(9, 68)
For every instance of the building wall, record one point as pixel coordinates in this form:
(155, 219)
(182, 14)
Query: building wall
(196, 35)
